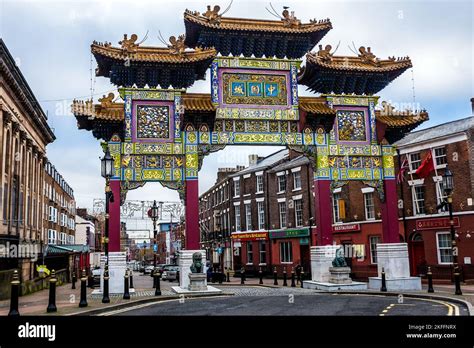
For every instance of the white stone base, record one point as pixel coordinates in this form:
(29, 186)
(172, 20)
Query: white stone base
(321, 259)
(117, 268)
(410, 283)
(393, 258)
(310, 284)
(185, 260)
(210, 291)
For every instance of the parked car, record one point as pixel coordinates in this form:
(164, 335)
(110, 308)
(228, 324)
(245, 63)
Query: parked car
(148, 269)
(170, 272)
(96, 276)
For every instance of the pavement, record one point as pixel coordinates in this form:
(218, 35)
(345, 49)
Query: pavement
(320, 303)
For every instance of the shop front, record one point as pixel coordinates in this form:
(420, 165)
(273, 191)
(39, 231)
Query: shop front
(252, 251)
(289, 248)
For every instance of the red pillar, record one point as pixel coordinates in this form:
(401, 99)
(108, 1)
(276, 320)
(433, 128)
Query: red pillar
(323, 211)
(192, 214)
(114, 217)
(390, 213)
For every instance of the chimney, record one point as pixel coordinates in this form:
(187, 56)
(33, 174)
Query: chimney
(472, 106)
(253, 159)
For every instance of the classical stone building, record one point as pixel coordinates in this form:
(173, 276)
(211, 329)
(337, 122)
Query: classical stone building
(23, 138)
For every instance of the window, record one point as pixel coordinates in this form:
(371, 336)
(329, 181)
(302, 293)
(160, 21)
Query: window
(296, 180)
(441, 196)
(374, 240)
(261, 215)
(445, 251)
(418, 199)
(415, 161)
(249, 252)
(236, 188)
(369, 206)
(336, 197)
(286, 254)
(298, 212)
(282, 211)
(281, 183)
(237, 217)
(248, 217)
(62, 238)
(51, 237)
(263, 252)
(440, 156)
(259, 183)
(51, 214)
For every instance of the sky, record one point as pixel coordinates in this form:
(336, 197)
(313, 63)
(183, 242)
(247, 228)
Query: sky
(50, 41)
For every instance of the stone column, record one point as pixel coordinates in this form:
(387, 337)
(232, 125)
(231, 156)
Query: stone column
(389, 210)
(114, 219)
(192, 215)
(323, 211)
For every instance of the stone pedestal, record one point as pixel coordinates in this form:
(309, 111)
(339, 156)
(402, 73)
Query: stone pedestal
(393, 258)
(321, 260)
(340, 275)
(117, 267)
(197, 282)
(185, 260)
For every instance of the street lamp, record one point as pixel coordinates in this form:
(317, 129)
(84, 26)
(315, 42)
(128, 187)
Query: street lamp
(107, 171)
(153, 213)
(448, 186)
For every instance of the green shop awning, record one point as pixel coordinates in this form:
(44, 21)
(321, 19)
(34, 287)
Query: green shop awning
(289, 233)
(66, 249)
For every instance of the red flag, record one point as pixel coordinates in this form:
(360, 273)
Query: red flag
(403, 169)
(426, 167)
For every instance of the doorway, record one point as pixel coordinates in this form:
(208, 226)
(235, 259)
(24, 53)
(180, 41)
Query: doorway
(417, 254)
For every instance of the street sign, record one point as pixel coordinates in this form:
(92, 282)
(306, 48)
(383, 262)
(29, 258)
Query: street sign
(155, 248)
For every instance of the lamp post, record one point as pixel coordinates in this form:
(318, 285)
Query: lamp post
(448, 186)
(153, 214)
(107, 171)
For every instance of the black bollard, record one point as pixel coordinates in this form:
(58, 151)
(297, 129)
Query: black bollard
(52, 293)
(131, 278)
(15, 287)
(260, 275)
(126, 292)
(152, 275)
(430, 280)
(293, 285)
(83, 301)
(284, 277)
(242, 276)
(302, 277)
(384, 285)
(177, 277)
(221, 275)
(74, 279)
(90, 279)
(275, 276)
(157, 276)
(228, 276)
(105, 296)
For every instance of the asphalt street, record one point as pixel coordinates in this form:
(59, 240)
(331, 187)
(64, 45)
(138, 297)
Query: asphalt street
(297, 304)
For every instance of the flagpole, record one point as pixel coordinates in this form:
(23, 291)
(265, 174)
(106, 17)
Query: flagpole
(402, 196)
(412, 186)
(438, 187)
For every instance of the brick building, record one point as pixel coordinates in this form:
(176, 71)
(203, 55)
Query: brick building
(59, 221)
(427, 226)
(24, 135)
(260, 216)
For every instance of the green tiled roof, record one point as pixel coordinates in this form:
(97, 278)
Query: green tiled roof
(66, 248)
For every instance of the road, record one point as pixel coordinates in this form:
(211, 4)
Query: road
(289, 302)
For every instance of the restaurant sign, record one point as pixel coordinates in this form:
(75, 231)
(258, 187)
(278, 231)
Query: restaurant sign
(250, 236)
(346, 228)
(290, 233)
(433, 224)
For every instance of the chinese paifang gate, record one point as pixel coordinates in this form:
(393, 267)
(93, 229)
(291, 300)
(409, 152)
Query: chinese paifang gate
(161, 132)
